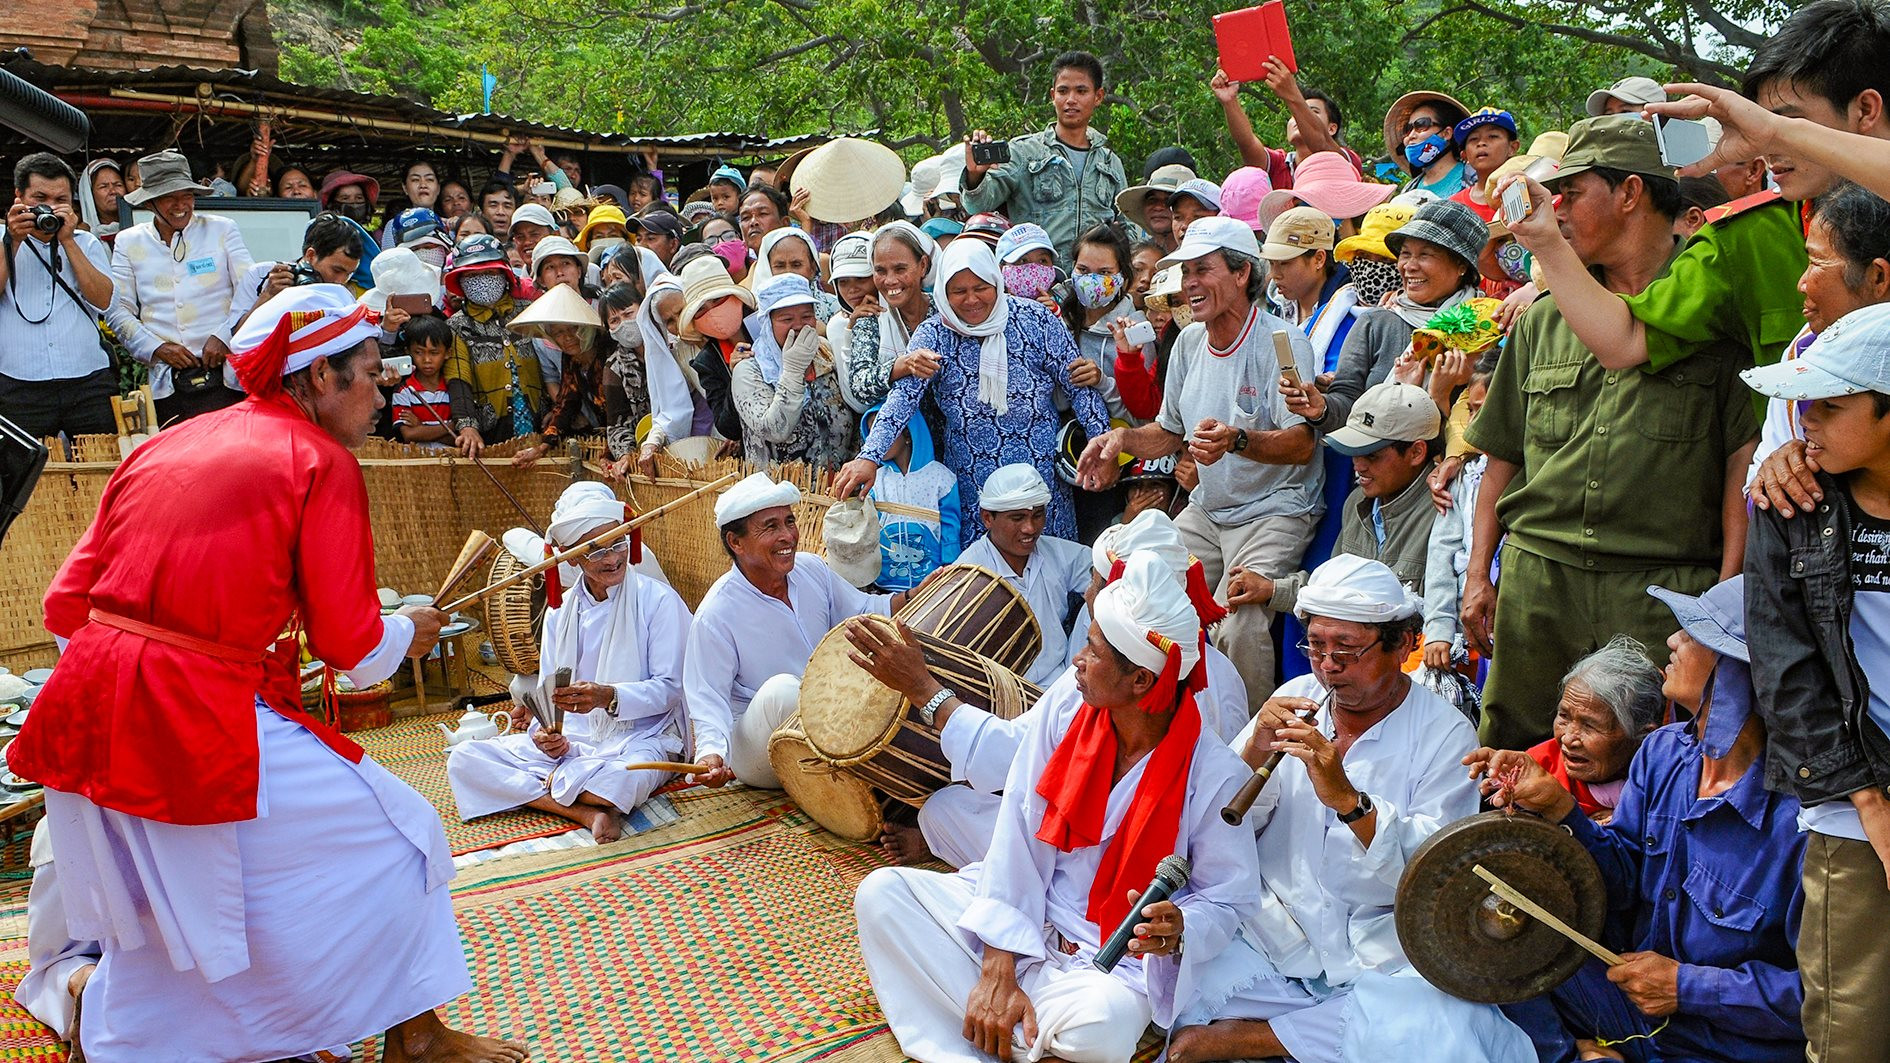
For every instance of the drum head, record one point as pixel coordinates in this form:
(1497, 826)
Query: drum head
(846, 714)
(515, 617)
(841, 802)
(1467, 942)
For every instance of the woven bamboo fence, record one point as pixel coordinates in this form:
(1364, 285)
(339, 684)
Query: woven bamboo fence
(422, 502)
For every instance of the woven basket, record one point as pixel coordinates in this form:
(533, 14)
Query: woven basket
(361, 710)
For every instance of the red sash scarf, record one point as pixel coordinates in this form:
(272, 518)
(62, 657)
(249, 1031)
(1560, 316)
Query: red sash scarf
(1077, 781)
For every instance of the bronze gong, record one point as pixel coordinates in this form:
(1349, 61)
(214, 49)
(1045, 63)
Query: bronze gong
(1471, 944)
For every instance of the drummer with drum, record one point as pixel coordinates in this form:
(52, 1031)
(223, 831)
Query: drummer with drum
(620, 634)
(755, 630)
(955, 823)
(1116, 775)
(1319, 973)
(1052, 574)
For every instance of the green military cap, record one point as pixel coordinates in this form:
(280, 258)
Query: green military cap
(1622, 142)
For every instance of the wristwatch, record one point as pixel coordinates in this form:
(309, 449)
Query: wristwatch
(1240, 440)
(1364, 809)
(930, 709)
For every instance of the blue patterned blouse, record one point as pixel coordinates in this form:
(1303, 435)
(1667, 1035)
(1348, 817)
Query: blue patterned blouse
(977, 440)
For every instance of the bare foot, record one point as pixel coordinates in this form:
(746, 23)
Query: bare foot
(75, 985)
(1227, 1039)
(904, 845)
(606, 826)
(425, 1039)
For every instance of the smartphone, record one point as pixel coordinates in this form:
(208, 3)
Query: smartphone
(414, 305)
(1516, 205)
(1140, 333)
(991, 152)
(1283, 353)
(1060, 291)
(1682, 142)
(402, 365)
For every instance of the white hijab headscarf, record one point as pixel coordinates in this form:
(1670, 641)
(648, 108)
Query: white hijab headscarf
(762, 273)
(993, 362)
(672, 409)
(88, 207)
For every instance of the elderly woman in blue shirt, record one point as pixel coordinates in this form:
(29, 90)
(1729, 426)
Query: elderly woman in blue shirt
(1702, 867)
(1001, 361)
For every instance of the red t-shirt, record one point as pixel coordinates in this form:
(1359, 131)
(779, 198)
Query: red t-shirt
(1549, 755)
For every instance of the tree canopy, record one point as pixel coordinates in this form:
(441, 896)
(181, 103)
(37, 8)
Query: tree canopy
(926, 72)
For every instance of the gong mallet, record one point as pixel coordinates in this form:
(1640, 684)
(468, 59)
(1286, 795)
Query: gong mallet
(581, 549)
(1515, 897)
(669, 766)
(1249, 791)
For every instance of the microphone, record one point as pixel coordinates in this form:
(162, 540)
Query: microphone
(1170, 875)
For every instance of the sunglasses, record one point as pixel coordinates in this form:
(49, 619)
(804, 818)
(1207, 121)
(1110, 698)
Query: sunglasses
(1420, 125)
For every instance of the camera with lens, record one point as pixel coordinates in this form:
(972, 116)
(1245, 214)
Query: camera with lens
(44, 220)
(301, 273)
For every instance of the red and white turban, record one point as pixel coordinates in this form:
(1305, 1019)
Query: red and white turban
(1152, 532)
(290, 331)
(1145, 615)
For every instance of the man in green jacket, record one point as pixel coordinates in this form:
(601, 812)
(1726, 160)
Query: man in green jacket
(1064, 178)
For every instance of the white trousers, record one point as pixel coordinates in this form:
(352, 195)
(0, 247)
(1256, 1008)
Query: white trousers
(50, 948)
(778, 699)
(958, 822)
(923, 971)
(324, 920)
(498, 774)
(1378, 1017)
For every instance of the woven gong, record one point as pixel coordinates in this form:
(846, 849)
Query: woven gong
(515, 616)
(1474, 946)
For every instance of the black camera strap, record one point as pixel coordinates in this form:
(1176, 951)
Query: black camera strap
(52, 269)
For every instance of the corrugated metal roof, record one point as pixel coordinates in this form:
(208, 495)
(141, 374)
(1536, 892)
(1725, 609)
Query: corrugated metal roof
(356, 112)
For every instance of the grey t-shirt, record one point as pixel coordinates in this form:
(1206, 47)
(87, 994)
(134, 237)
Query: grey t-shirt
(1241, 388)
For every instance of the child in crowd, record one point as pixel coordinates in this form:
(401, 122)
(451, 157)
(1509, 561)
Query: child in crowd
(1818, 587)
(422, 411)
(1453, 531)
(1486, 140)
(910, 476)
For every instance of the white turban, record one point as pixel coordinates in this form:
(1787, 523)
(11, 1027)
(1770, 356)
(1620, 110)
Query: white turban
(292, 329)
(583, 508)
(1011, 487)
(1357, 589)
(751, 496)
(1151, 532)
(1146, 616)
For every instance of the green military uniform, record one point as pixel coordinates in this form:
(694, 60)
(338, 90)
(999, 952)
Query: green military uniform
(1621, 478)
(1735, 282)
(1067, 191)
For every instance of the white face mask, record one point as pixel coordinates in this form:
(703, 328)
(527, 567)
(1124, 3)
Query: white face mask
(628, 335)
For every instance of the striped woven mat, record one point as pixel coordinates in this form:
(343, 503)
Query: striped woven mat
(415, 750)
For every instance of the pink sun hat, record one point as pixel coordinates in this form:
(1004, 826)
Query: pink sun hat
(1242, 194)
(1328, 182)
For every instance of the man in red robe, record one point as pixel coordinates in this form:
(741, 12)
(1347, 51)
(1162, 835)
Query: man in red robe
(259, 888)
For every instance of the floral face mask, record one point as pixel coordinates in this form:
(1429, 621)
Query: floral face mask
(1028, 280)
(1095, 290)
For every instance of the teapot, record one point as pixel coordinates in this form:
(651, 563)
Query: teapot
(475, 726)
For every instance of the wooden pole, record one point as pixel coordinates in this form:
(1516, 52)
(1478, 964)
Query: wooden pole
(575, 552)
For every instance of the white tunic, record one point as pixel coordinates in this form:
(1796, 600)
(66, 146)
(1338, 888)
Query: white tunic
(1057, 569)
(1321, 962)
(1028, 898)
(505, 772)
(1327, 902)
(741, 638)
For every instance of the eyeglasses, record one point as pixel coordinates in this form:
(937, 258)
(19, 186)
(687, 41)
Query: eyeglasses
(1340, 659)
(1419, 125)
(605, 553)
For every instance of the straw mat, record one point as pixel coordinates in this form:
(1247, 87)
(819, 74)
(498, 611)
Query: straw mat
(415, 751)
